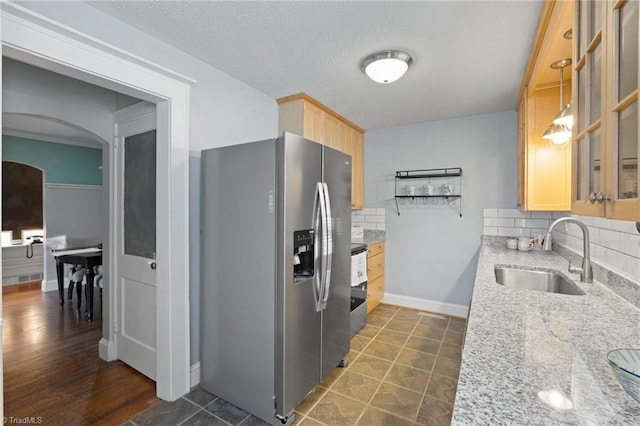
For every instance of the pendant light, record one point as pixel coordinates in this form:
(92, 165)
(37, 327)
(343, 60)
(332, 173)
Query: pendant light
(565, 116)
(386, 66)
(559, 132)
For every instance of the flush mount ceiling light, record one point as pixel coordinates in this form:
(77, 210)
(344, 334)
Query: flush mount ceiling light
(386, 66)
(559, 132)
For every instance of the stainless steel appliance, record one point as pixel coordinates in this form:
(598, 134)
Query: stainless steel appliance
(275, 272)
(358, 287)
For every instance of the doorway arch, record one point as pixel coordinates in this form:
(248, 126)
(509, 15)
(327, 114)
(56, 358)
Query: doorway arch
(32, 39)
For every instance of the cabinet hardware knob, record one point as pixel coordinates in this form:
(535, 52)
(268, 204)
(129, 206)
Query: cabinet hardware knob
(592, 197)
(152, 265)
(600, 197)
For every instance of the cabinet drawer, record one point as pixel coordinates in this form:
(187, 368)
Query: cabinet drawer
(373, 249)
(375, 291)
(375, 266)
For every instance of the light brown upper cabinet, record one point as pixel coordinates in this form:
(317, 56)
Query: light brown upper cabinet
(605, 136)
(304, 116)
(544, 170)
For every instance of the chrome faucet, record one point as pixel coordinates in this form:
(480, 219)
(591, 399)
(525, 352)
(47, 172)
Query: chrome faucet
(586, 271)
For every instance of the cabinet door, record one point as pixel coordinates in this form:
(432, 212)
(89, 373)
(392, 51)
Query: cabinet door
(522, 144)
(313, 122)
(375, 266)
(334, 132)
(375, 292)
(354, 148)
(548, 176)
(589, 165)
(623, 111)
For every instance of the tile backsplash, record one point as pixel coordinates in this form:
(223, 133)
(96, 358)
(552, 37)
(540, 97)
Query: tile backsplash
(615, 244)
(369, 218)
(516, 223)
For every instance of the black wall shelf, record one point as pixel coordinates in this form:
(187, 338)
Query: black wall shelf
(450, 199)
(429, 173)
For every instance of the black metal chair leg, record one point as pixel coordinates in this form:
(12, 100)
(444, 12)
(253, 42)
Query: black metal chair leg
(70, 292)
(79, 294)
(86, 299)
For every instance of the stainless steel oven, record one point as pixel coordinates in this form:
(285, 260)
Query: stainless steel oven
(358, 287)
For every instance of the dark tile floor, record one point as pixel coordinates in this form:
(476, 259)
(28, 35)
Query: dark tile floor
(402, 370)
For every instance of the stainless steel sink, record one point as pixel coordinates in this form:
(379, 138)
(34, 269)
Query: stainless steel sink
(530, 279)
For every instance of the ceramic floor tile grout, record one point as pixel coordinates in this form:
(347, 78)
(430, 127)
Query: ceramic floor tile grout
(382, 381)
(358, 354)
(393, 362)
(437, 355)
(424, 392)
(368, 403)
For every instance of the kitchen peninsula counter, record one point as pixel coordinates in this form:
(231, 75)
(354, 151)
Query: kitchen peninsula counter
(540, 358)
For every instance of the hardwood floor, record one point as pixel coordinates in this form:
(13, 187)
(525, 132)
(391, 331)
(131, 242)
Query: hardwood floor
(52, 370)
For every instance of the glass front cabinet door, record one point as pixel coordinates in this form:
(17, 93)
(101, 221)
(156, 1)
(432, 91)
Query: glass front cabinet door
(605, 132)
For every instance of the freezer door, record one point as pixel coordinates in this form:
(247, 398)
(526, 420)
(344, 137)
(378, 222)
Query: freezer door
(336, 320)
(297, 320)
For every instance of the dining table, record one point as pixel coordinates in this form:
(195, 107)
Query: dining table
(83, 257)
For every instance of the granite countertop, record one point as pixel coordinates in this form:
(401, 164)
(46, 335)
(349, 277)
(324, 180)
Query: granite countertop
(522, 347)
(370, 236)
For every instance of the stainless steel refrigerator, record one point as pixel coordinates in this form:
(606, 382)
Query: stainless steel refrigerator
(275, 271)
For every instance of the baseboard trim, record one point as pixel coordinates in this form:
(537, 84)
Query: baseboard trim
(52, 285)
(195, 374)
(106, 350)
(427, 305)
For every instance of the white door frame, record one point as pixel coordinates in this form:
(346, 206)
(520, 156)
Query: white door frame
(37, 40)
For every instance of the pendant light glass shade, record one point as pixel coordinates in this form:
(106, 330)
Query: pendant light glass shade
(387, 66)
(559, 132)
(565, 116)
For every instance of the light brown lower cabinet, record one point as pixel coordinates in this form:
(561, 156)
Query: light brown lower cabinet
(375, 274)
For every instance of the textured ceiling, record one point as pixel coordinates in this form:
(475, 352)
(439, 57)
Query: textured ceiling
(469, 56)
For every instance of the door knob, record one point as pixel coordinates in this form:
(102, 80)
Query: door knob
(152, 265)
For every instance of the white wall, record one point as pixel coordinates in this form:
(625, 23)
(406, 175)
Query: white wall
(430, 252)
(29, 90)
(223, 110)
(74, 216)
(71, 213)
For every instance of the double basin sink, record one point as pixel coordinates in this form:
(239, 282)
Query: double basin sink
(536, 280)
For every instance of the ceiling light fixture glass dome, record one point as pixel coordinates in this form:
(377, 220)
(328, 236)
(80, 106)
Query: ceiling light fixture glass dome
(386, 66)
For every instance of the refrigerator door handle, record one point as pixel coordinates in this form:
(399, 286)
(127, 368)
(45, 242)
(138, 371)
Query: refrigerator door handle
(329, 251)
(318, 244)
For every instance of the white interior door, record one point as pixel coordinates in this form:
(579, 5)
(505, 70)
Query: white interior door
(135, 132)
